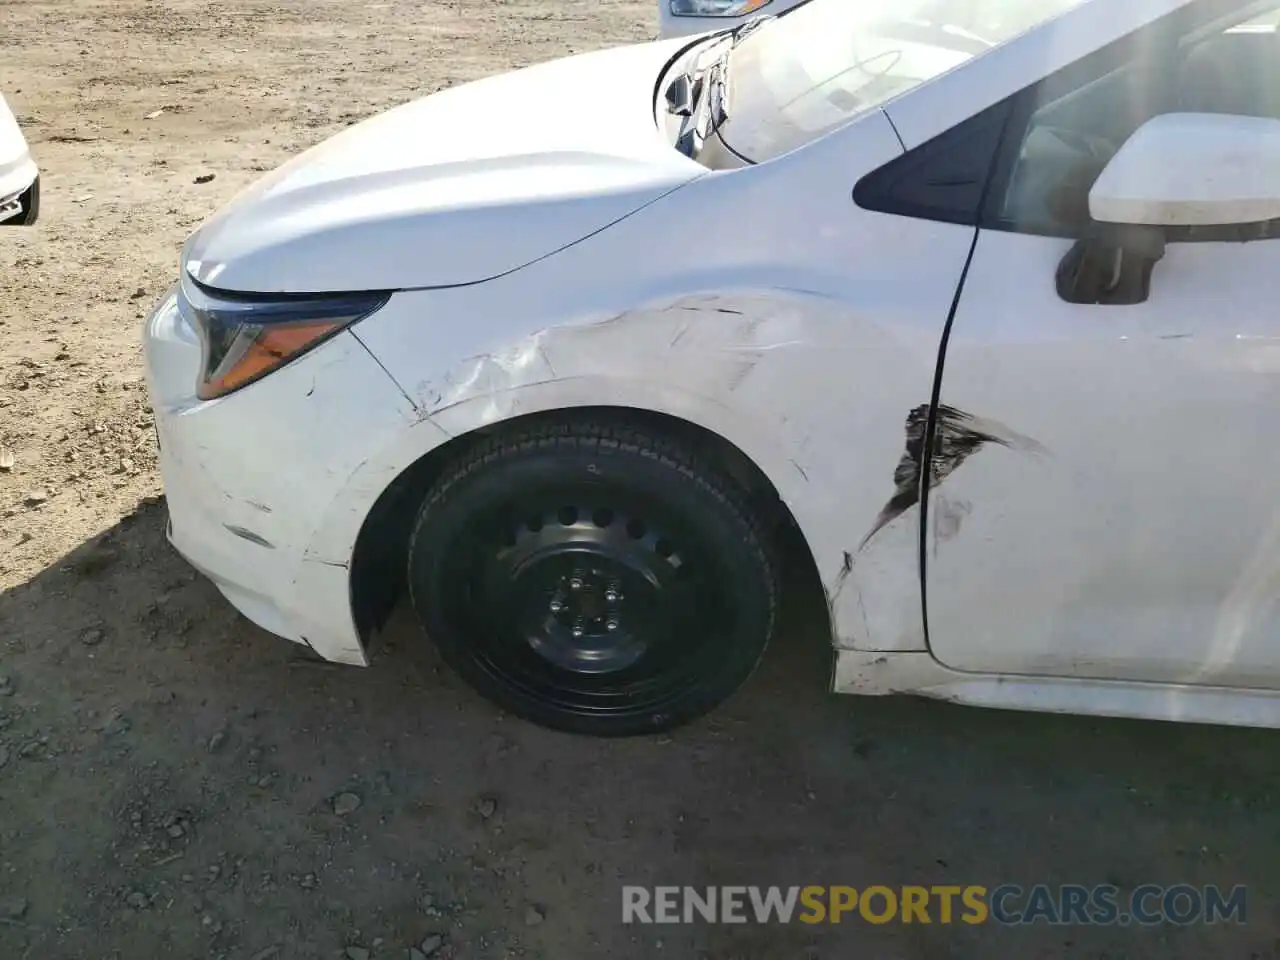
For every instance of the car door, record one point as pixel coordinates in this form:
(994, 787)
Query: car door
(1111, 505)
(19, 178)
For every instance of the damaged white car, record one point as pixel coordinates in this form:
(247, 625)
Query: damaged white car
(559, 377)
(19, 176)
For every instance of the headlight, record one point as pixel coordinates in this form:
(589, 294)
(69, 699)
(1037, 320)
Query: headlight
(243, 337)
(716, 8)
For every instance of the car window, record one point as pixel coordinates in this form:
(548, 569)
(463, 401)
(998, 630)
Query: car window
(1231, 68)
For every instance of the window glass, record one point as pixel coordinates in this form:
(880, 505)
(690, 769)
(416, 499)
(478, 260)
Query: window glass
(1232, 68)
(820, 65)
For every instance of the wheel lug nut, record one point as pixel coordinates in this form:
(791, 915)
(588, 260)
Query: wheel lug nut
(611, 625)
(577, 630)
(612, 596)
(575, 583)
(556, 606)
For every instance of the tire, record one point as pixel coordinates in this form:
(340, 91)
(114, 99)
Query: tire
(592, 577)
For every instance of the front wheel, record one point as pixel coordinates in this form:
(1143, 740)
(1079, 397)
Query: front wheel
(593, 578)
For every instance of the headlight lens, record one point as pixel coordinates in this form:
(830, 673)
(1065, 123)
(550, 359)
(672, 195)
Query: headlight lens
(243, 337)
(716, 8)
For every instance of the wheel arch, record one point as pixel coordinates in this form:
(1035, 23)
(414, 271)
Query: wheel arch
(377, 565)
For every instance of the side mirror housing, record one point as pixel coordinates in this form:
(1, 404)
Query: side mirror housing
(1177, 170)
(1192, 170)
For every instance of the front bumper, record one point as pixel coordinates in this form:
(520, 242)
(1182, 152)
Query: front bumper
(23, 209)
(249, 478)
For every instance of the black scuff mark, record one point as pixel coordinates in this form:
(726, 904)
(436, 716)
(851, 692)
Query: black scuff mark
(837, 589)
(736, 313)
(862, 609)
(957, 436)
(331, 563)
(948, 517)
(1174, 336)
(249, 535)
(319, 661)
(313, 388)
(431, 397)
(684, 328)
(800, 470)
(262, 507)
(837, 585)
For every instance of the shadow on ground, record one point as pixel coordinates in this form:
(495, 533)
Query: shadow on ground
(168, 775)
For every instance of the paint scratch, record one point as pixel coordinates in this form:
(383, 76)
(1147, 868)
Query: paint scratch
(249, 535)
(846, 567)
(744, 368)
(547, 360)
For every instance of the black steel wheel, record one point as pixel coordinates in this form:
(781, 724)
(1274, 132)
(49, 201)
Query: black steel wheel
(592, 578)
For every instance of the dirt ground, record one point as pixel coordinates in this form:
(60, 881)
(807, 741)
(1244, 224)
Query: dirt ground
(168, 773)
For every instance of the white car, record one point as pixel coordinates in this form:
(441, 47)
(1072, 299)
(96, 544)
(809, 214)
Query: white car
(683, 18)
(563, 377)
(19, 177)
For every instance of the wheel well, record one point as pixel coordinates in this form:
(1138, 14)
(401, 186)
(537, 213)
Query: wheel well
(378, 561)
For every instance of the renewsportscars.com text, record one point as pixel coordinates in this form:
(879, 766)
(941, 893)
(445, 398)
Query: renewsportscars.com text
(1007, 904)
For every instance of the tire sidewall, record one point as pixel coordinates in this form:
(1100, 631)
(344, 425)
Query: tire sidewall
(727, 535)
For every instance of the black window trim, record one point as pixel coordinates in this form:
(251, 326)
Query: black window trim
(879, 190)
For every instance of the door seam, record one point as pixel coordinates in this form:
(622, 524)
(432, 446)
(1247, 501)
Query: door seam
(931, 423)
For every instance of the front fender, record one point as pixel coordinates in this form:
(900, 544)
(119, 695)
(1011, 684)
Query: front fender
(481, 408)
(758, 371)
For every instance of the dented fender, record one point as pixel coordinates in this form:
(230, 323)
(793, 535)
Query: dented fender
(786, 378)
(800, 335)
(770, 372)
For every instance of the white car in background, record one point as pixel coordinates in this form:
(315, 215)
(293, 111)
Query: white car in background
(682, 18)
(19, 177)
(976, 298)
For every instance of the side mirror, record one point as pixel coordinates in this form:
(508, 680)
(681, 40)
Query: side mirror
(19, 178)
(1192, 170)
(1176, 170)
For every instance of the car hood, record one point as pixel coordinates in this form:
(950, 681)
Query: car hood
(17, 169)
(458, 187)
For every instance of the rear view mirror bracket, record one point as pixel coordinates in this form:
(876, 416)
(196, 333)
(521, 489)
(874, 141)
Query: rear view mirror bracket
(1111, 266)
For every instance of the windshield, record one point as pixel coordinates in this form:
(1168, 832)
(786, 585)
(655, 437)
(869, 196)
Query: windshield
(818, 66)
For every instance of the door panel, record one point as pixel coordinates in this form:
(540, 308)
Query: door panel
(1136, 534)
